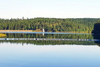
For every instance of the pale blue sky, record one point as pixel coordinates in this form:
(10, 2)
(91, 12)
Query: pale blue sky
(50, 8)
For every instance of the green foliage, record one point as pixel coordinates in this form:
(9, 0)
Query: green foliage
(49, 24)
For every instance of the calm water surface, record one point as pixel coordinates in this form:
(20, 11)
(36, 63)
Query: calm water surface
(49, 53)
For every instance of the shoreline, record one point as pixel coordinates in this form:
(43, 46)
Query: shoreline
(16, 30)
(40, 31)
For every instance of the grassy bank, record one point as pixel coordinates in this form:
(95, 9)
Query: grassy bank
(16, 30)
(2, 35)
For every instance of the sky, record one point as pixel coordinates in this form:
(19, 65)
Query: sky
(50, 8)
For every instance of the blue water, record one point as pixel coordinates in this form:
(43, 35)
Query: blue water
(30, 55)
(37, 50)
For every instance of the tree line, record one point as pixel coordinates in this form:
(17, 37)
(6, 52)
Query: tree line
(49, 24)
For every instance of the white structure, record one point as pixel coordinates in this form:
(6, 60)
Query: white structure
(43, 30)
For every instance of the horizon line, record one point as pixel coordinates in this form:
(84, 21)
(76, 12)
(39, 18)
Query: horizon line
(53, 18)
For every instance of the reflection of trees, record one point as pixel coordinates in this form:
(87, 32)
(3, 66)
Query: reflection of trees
(97, 36)
(66, 36)
(48, 42)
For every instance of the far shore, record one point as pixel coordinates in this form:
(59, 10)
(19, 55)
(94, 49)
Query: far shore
(40, 31)
(16, 30)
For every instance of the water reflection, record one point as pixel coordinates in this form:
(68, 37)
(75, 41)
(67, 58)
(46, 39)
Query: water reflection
(50, 39)
(97, 36)
(55, 39)
(66, 36)
(49, 51)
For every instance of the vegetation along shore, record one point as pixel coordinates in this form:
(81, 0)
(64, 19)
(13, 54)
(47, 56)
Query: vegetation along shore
(2, 35)
(73, 25)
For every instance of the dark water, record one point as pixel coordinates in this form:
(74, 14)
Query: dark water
(49, 50)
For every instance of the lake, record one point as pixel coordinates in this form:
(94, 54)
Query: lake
(49, 50)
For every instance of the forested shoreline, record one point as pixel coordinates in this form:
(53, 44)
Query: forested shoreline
(50, 24)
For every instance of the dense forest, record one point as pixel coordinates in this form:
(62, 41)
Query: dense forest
(50, 24)
(96, 29)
